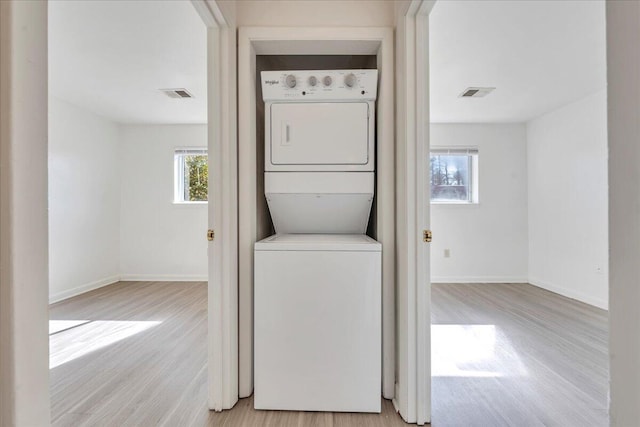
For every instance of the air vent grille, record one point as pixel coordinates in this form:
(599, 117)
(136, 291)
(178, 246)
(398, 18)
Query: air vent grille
(476, 92)
(177, 93)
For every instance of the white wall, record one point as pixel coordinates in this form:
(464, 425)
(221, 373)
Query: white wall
(623, 69)
(112, 215)
(159, 240)
(296, 13)
(488, 240)
(567, 164)
(84, 200)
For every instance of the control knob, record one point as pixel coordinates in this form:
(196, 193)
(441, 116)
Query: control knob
(290, 81)
(313, 81)
(327, 80)
(350, 80)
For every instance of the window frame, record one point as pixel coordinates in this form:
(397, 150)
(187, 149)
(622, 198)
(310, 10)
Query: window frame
(179, 154)
(473, 159)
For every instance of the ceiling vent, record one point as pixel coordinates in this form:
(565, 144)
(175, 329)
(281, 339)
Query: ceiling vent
(177, 93)
(476, 92)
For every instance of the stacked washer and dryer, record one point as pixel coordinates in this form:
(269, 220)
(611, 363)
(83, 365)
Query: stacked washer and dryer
(317, 285)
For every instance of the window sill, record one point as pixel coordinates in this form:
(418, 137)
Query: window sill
(190, 203)
(455, 203)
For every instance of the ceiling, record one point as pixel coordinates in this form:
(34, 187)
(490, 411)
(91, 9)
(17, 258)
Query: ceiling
(112, 57)
(539, 55)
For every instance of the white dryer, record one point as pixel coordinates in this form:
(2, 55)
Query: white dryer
(317, 284)
(320, 149)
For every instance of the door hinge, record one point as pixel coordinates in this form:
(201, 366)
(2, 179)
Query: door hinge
(427, 236)
(211, 235)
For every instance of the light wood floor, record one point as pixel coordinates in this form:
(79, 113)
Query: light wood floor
(134, 354)
(522, 356)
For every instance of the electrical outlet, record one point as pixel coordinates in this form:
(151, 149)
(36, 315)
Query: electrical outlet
(447, 253)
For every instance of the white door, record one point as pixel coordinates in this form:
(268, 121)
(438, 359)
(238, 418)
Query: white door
(222, 362)
(320, 133)
(413, 386)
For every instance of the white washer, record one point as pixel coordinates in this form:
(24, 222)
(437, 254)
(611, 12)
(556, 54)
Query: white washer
(317, 323)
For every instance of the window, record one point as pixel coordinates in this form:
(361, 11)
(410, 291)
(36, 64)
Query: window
(454, 174)
(191, 175)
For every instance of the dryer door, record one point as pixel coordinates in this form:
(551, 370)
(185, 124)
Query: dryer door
(319, 134)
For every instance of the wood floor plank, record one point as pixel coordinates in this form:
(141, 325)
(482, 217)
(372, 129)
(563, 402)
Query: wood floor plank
(503, 355)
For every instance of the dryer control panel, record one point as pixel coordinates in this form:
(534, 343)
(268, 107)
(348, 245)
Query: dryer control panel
(319, 85)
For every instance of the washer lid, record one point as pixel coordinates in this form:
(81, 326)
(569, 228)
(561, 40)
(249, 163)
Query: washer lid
(319, 242)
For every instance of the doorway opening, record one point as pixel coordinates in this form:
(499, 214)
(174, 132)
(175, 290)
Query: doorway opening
(128, 189)
(518, 172)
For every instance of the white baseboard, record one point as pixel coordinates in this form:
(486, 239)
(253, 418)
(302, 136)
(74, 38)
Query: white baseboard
(163, 277)
(478, 279)
(570, 293)
(60, 296)
(82, 289)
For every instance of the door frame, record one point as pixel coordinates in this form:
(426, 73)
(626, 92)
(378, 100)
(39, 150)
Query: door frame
(316, 40)
(24, 223)
(222, 253)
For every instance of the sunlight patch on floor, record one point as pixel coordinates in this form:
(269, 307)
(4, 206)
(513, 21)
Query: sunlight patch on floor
(472, 351)
(76, 338)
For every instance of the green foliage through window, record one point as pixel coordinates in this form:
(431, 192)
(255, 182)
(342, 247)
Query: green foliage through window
(191, 183)
(196, 178)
